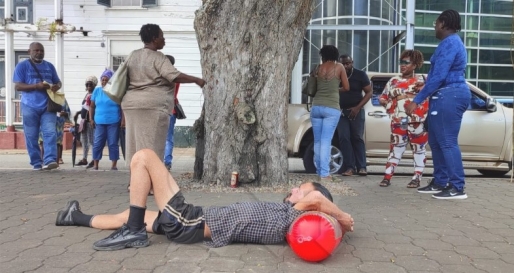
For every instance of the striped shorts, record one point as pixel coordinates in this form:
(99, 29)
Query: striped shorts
(180, 222)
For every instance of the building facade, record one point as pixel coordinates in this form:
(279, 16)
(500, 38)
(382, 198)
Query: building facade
(487, 27)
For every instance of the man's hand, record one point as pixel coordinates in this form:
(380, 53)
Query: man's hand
(346, 221)
(42, 86)
(55, 87)
(409, 109)
(93, 125)
(353, 112)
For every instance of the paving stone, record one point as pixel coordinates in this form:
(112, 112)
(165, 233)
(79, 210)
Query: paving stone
(447, 257)
(119, 255)
(460, 240)
(97, 266)
(366, 242)
(396, 239)
(230, 251)
(141, 262)
(190, 256)
(417, 263)
(495, 266)
(22, 265)
(474, 252)
(432, 244)
(502, 248)
(67, 260)
(221, 264)
(299, 266)
(452, 268)
(258, 269)
(382, 267)
(404, 249)
(508, 258)
(372, 254)
(46, 269)
(424, 234)
(261, 256)
(179, 267)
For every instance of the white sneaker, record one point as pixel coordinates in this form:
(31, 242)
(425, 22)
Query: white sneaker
(51, 166)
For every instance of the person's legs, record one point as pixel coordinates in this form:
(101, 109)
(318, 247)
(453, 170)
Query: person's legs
(440, 173)
(398, 146)
(84, 140)
(168, 150)
(31, 125)
(357, 140)
(330, 120)
(454, 103)
(317, 123)
(48, 130)
(418, 139)
(99, 143)
(343, 131)
(113, 135)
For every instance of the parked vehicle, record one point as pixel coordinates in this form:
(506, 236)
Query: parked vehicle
(505, 100)
(485, 137)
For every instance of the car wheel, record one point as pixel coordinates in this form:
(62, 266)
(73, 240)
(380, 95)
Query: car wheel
(493, 173)
(336, 159)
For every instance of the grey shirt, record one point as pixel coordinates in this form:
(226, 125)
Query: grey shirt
(249, 222)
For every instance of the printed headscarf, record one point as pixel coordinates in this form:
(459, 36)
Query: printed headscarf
(92, 79)
(107, 73)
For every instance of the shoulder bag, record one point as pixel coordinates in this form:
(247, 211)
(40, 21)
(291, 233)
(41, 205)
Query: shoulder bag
(310, 85)
(53, 104)
(179, 112)
(119, 82)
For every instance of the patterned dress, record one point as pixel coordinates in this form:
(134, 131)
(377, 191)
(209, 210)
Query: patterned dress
(399, 93)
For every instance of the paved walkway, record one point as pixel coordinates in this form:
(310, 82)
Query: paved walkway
(397, 229)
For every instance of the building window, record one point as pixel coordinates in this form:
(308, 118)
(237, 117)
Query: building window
(117, 61)
(127, 3)
(22, 11)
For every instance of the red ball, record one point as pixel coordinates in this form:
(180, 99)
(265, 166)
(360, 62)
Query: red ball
(313, 236)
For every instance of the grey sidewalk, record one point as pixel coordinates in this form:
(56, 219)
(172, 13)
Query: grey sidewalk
(397, 229)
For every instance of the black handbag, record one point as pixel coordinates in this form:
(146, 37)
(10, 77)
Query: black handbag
(310, 86)
(179, 112)
(51, 106)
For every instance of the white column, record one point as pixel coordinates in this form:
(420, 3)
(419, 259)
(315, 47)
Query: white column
(410, 14)
(296, 80)
(59, 43)
(9, 68)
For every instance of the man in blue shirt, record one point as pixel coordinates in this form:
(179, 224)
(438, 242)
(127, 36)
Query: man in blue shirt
(36, 118)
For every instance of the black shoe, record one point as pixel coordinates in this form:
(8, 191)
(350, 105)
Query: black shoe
(432, 187)
(91, 165)
(64, 217)
(123, 238)
(452, 193)
(83, 162)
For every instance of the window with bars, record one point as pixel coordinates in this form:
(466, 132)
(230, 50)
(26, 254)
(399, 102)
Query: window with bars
(127, 3)
(117, 61)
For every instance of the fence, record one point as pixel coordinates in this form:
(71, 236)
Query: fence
(17, 112)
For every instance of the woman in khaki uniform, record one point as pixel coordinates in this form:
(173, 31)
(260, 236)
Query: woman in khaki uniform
(149, 99)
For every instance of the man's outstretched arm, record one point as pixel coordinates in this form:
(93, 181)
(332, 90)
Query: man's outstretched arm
(315, 201)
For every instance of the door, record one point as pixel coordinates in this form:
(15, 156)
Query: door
(378, 129)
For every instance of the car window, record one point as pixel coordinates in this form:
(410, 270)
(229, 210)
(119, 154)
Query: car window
(378, 85)
(476, 102)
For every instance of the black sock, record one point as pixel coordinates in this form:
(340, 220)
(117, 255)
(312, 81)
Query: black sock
(81, 219)
(136, 219)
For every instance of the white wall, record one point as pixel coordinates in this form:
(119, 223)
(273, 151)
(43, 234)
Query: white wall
(85, 56)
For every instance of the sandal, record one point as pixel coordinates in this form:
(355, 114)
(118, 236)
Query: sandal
(60, 161)
(363, 172)
(385, 183)
(348, 172)
(414, 183)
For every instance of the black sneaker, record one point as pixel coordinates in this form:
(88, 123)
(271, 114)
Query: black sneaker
(452, 193)
(431, 188)
(64, 217)
(51, 166)
(90, 165)
(123, 238)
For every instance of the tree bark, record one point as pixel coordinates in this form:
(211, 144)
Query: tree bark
(248, 49)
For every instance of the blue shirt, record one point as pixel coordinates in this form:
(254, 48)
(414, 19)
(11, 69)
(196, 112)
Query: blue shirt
(447, 68)
(106, 110)
(25, 73)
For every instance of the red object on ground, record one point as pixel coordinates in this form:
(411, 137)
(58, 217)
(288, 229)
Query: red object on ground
(313, 236)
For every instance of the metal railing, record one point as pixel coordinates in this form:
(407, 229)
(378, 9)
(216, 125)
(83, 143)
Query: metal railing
(17, 112)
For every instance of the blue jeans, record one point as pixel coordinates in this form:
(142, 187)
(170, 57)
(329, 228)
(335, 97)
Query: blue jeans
(444, 120)
(324, 122)
(111, 134)
(35, 120)
(168, 149)
(351, 141)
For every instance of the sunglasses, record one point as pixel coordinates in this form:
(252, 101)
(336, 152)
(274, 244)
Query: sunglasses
(402, 62)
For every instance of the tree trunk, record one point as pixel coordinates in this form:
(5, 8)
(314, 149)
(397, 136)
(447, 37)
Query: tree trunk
(248, 49)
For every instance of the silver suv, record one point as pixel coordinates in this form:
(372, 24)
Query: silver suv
(485, 137)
